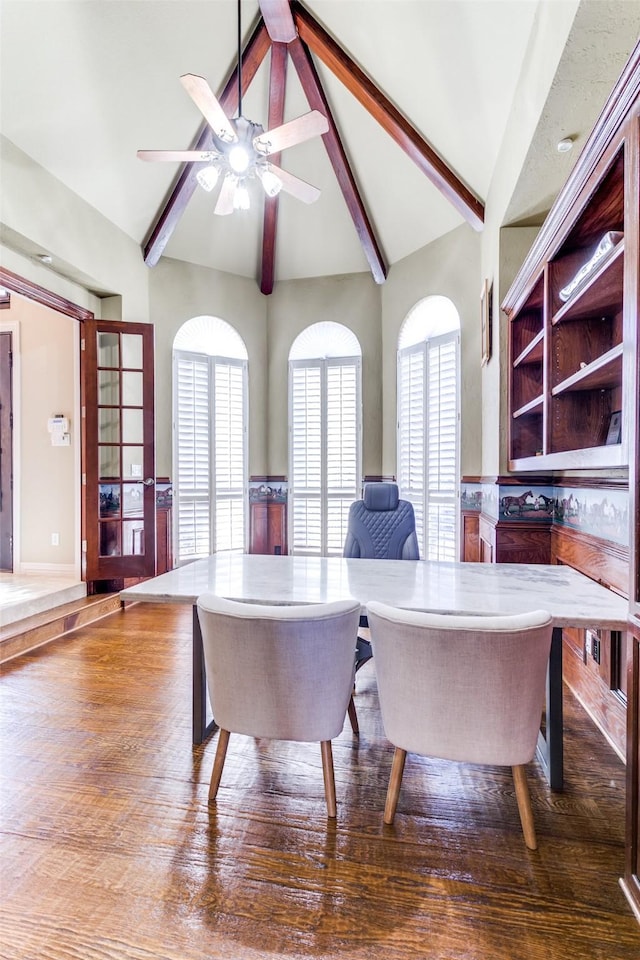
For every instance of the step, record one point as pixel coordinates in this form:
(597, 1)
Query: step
(31, 632)
(24, 596)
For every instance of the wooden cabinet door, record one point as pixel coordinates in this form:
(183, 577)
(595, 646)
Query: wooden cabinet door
(118, 450)
(631, 881)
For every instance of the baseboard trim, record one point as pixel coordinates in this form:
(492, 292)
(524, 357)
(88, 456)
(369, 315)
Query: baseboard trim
(53, 569)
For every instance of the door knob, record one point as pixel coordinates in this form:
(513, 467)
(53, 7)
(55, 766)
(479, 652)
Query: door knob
(149, 482)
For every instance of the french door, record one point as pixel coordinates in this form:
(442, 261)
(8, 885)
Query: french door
(118, 452)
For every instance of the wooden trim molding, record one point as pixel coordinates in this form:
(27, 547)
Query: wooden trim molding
(388, 116)
(43, 296)
(601, 560)
(556, 480)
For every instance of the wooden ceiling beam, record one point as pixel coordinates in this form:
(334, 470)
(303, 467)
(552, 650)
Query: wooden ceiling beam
(185, 184)
(388, 116)
(277, 86)
(278, 20)
(314, 92)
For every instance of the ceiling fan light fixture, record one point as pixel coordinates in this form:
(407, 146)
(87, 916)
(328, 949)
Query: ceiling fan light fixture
(208, 177)
(239, 159)
(241, 198)
(272, 184)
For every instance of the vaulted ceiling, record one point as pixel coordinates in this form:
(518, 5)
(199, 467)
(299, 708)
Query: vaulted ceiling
(417, 95)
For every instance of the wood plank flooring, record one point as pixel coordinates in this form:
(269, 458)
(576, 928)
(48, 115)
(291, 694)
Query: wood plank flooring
(110, 852)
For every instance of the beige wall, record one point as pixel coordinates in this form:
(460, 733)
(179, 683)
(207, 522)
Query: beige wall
(448, 267)
(351, 300)
(179, 291)
(46, 375)
(40, 215)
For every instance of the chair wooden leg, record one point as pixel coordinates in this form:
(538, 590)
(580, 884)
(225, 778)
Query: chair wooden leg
(353, 717)
(524, 805)
(329, 779)
(218, 763)
(393, 790)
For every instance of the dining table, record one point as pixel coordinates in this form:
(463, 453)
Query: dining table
(486, 589)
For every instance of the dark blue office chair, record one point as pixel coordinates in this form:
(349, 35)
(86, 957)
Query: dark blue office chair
(381, 527)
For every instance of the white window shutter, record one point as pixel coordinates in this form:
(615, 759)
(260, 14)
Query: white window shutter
(193, 456)
(324, 475)
(210, 454)
(305, 476)
(342, 451)
(229, 454)
(428, 441)
(411, 431)
(442, 446)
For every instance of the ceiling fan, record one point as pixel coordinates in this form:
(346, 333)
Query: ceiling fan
(242, 149)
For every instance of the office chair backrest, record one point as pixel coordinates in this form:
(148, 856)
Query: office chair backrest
(381, 526)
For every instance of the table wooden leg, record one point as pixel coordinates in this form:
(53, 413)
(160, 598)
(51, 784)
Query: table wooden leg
(550, 746)
(199, 726)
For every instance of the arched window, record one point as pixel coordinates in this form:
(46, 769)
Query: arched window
(210, 438)
(428, 423)
(325, 428)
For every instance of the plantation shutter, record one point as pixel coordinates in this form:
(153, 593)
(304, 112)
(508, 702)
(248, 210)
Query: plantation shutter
(441, 454)
(428, 441)
(193, 457)
(324, 452)
(229, 444)
(306, 456)
(342, 450)
(411, 431)
(210, 455)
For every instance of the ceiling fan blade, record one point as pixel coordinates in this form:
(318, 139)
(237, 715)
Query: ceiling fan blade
(289, 134)
(177, 156)
(298, 188)
(224, 206)
(203, 97)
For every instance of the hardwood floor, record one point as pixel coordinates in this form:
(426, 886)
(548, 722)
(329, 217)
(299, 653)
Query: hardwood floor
(111, 853)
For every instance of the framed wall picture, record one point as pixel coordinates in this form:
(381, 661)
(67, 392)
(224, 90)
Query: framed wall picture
(486, 295)
(614, 433)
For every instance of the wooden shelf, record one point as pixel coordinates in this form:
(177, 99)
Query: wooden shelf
(600, 293)
(602, 374)
(533, 407)
(533, 352)
(588, 458)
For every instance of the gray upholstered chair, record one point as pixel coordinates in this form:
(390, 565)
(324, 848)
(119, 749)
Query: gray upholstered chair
(280, 672)
(381, 526)
(469, 689)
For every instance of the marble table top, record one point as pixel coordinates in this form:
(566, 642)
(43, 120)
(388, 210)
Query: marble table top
(571, 598)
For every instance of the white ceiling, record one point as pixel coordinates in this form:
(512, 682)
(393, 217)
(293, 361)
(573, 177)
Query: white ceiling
(85, 84)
